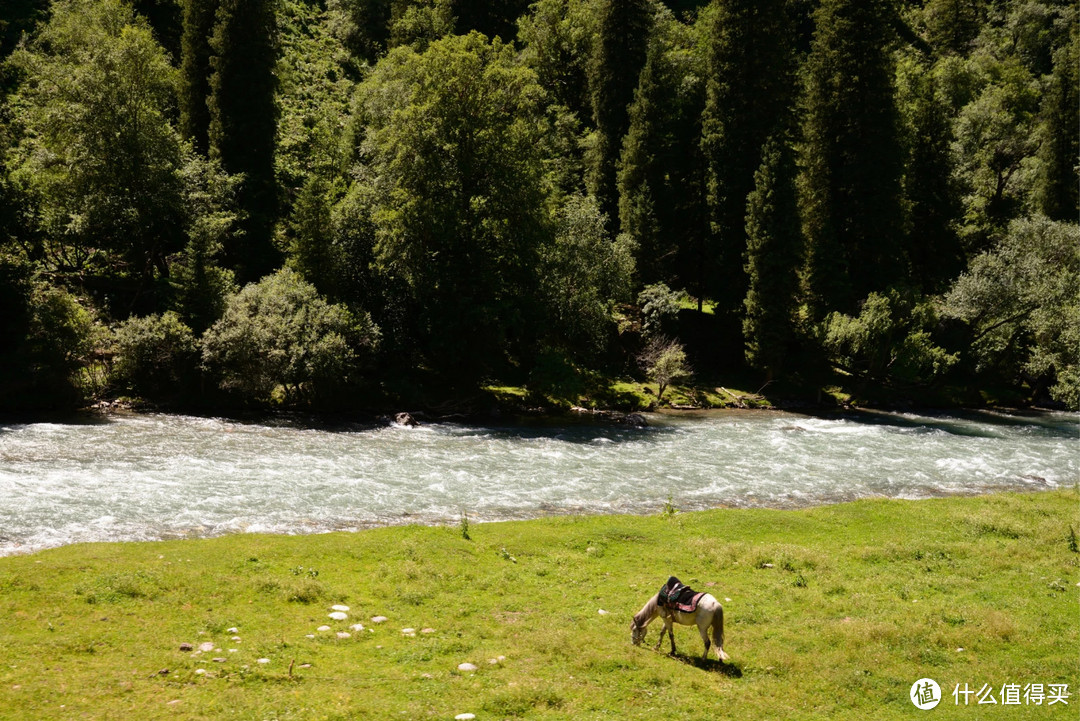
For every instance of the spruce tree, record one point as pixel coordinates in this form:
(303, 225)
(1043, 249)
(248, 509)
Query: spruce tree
(660, 182)
(243, 123)
(1060, 149)
(195, 71)
(933, 245)
(773, 255)
(621, 48)
(850, 185)
(749, 71)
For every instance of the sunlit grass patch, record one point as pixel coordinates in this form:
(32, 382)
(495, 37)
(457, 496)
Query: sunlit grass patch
(830, 611)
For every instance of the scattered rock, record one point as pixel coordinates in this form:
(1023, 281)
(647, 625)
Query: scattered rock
(467, 667)
(200, 671)
(219, 659)
(767, 565)
(309, 635)
(493, 661)
(339, 616)
(206, 647)
(173, 702)
(262, 660)
(304, 665)
(405, 419)
(431, 630)
(501, 658)
(344, 634)
(323, 628)
(339, 607)
(233, 650)
(465, 717)
(234, 629)
(636, 420)
(235, 638)
(959, 650)
(187, 647)
(426, 675)
(602, 612)
(727, 599)
(379, 619)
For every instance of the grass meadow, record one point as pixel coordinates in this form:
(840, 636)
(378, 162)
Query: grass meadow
(831, 612)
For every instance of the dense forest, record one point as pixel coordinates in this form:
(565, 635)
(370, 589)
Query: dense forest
(339, 203)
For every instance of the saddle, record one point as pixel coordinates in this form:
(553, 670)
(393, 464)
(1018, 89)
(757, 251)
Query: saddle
(676, 596)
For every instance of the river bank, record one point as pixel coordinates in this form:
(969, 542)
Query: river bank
(830, 612)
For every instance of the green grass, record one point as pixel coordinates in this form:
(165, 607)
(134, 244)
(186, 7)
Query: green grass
(834, 613)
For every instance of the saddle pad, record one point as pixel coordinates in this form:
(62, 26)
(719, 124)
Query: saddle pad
(689, 605)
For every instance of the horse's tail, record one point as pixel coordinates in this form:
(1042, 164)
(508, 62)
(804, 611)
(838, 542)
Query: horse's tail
(718, 633)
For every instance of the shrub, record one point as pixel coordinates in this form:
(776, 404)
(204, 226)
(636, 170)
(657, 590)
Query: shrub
(157, 355)
(280, 333)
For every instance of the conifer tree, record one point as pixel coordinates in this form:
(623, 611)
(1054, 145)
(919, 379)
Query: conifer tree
(621, 48)
(749, 71)
(1060, 150)
(773, 255)
(195, 71)
(243, 122)
(661, 189)
(850, 185)
(933, 244)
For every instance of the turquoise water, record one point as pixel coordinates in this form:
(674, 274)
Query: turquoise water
(129, 477)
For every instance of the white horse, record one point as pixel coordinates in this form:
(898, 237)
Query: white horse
(709, 613)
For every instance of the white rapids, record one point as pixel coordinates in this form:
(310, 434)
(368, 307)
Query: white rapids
(142, 477)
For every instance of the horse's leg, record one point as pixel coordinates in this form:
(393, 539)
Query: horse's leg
(703, 629)
(661, 639)
(671, 633)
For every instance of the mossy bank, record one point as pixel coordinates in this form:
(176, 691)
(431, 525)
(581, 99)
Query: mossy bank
(832, 612)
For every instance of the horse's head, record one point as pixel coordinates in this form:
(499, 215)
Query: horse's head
(637, 633)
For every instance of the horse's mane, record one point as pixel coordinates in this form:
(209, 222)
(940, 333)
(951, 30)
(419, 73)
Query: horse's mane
(647, 611)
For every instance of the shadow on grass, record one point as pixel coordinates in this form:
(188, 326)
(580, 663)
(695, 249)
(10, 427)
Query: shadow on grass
(731, 670)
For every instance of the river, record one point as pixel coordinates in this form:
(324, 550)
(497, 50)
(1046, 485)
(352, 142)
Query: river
(143, 477)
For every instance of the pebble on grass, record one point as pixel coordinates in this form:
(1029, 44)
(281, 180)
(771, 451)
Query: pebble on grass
(357, 627)
(408, 632)
(262, 660)
(234, 629)
(379, 619)
(339, 615)
(344, 634)
(602, 612)
(465, 717)
(339, 607)
(200, 671)
(467, 667)
(206, 646)
(427, 630)
(323, 628)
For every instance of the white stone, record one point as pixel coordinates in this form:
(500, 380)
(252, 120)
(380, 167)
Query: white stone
(206, 647)
(727, 599)
(262, 660)
(465, 717)
(309, 635)
(357, 627)
(339, 615)
(234, 629)
(407, 631)
(379, 619)
(344, 634)
(427, 630)
(323, 628)
(235, 638)
(602, 612)
(232, 650)
(200, 671)
(339, 607)
(466, 667)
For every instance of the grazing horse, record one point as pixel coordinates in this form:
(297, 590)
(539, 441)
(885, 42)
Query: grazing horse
(709, 613)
